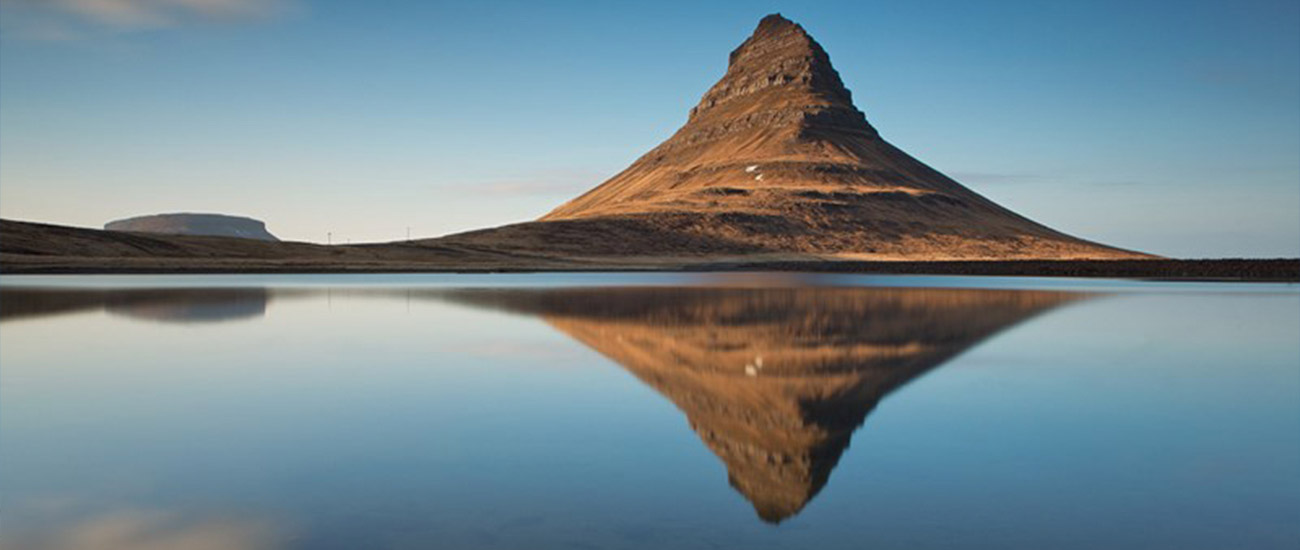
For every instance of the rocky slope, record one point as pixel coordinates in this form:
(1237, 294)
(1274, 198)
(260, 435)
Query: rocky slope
(211, 225)
(776, 160)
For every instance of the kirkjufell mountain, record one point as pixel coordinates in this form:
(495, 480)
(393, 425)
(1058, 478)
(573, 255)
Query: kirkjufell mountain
(210, 225)
(774, 381)
(776, 160)
(774, 167)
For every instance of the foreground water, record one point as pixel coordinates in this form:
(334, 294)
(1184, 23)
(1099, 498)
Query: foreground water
(640, 411)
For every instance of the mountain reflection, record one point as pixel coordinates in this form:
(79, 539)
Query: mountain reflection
(169, 305)
(775, 381)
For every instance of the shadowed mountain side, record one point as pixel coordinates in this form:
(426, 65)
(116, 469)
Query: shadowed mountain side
(179, 305)
(775, 381)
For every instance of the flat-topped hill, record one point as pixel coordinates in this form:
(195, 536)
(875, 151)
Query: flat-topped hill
(186, 223)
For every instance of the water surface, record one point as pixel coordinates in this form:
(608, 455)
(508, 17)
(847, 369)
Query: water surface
(647, 411)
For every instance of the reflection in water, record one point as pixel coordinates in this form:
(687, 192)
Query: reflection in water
(775, 381)
(400, 412)
(173, 305)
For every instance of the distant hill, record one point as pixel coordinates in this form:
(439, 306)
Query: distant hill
(211, 225)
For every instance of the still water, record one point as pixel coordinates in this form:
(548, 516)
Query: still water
(646, 411)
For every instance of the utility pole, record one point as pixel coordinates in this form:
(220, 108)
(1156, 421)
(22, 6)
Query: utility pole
(329, 237)
(408, 233)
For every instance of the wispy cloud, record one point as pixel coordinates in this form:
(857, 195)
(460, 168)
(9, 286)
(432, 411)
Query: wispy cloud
(1004, 178)
(73, 19)
(527, 187)
(545, 182)
(997, 177)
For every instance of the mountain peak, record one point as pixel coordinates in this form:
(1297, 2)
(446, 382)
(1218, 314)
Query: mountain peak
(780, 57)
(774, 24)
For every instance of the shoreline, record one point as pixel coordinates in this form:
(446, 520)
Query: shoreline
(1221, 270)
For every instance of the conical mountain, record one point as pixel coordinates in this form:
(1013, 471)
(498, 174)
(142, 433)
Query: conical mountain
(776, 160)
(781, 117)
(774, 381)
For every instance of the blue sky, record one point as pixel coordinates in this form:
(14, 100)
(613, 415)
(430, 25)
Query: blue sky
(1169, 127)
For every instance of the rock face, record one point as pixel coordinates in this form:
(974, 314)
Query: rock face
(776, 159)
(213, 225)
(775, 381)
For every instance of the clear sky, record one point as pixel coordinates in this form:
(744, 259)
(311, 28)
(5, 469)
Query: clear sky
(1170, 127)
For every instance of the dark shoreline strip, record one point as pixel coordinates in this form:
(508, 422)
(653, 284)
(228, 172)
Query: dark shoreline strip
(1236, 270)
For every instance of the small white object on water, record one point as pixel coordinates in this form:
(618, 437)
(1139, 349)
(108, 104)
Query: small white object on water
(751, 168)
(750, 370)
(758, 361)
(758, 177)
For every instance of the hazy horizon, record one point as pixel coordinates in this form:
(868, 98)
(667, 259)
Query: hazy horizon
(1166, 127)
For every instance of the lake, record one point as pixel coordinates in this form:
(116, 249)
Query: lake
(647, 411)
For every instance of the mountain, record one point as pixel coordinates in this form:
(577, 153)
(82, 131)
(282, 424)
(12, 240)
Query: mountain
(212, 225)
(776, 160)
(774, 381)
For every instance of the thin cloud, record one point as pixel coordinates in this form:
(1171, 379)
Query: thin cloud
(72, 19)
(999, 178)
(547, 182)
(529, 188)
